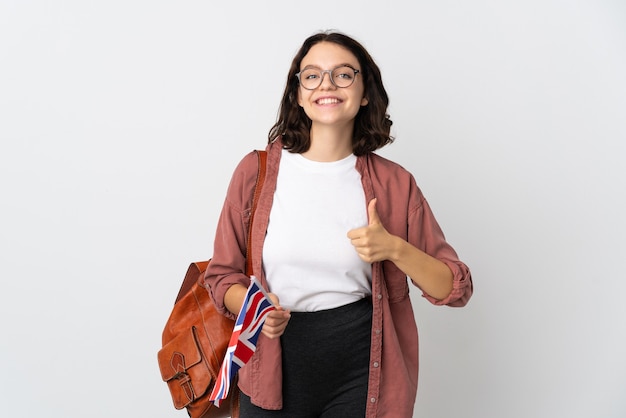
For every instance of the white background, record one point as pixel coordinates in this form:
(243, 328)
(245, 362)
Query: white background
(121, 122)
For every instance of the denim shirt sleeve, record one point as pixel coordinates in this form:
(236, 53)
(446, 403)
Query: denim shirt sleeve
(228, 263)
(426, 234)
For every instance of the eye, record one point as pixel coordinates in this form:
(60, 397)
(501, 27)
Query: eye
(309, 75)
(345, 73)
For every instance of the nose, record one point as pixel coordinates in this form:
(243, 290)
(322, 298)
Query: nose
(329, 83)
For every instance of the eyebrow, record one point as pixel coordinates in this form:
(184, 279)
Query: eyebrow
(345, 64)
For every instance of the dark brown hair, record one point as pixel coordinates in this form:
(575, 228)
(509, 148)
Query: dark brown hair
(372, 124)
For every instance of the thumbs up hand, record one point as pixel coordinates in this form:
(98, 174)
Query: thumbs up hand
(373, 242)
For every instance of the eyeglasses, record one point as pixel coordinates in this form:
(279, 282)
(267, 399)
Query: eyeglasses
(342, 77)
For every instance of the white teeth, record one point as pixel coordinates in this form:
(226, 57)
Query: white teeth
(328, 100)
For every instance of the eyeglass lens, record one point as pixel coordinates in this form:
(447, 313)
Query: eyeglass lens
(311, 78)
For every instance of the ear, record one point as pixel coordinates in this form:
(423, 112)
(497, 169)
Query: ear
(364, 101)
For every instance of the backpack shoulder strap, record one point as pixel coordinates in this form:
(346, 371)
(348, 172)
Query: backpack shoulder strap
(260, 179)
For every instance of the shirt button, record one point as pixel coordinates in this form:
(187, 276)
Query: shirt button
(372, 400)
(377, 332)
(375, 364)
(379, 296)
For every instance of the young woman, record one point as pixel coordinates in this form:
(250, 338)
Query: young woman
(337, 232)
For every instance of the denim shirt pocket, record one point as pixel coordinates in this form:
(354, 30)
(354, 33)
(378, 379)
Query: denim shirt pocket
(396, 282)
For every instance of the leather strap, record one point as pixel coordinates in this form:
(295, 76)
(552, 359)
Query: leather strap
(260, 178)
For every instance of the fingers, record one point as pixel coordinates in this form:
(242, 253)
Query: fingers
(355, 233)
(373, 219)
(274, 299)
(372, 213)
(372, 242)
(276, 322)
(362, 236)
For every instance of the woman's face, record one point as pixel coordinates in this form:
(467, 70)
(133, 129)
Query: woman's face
(329, 104)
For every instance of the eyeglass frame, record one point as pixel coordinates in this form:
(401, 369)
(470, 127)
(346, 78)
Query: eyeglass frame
(330, 76)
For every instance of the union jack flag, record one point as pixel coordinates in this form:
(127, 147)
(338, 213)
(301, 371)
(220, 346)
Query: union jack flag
(255, 308)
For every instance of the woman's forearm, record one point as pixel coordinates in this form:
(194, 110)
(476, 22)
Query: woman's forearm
(233, 299)
(431, 275)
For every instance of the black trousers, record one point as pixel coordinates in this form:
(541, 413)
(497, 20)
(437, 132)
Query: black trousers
(325, 364)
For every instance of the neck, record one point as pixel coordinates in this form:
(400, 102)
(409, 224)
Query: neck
(329, 145)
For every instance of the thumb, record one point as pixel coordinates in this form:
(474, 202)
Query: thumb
(372, 213)
(274, 299)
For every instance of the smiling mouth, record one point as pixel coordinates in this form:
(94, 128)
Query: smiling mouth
(327, 100)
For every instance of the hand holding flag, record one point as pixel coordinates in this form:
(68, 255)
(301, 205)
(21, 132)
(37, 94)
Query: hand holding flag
(255, 308)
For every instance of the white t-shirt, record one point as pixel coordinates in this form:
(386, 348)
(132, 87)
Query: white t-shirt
(308, 259)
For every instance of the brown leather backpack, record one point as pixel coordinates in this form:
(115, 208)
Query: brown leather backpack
(196, 336)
